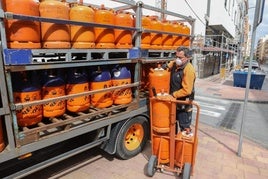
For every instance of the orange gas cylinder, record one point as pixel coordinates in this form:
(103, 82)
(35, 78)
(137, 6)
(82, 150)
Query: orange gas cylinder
(101, 79)
(161, 118)
(123, 38)
(77, 83)
(167, 40)
(53, 86)
(159, 79)
(55, 35)
(121, 76)
(186, 39)
(156, 38)
(25, 89)
(146, 36)
(177, 39)
(22, 34)
(2, 142)
(104, 37)
(82, 36)
(187, 146)
(161, 147)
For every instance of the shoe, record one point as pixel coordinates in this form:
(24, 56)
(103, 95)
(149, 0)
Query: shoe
(187, 132)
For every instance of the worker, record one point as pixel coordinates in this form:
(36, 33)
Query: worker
(182, 81)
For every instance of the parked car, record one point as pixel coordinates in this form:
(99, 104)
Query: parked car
(254, 65)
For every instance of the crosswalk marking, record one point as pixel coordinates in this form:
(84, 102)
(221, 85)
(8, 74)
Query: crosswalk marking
(209, 113)
(208, 105)
(209, 99)
(211, 106)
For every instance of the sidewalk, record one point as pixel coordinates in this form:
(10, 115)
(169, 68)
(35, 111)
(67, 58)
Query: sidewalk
(223, 88)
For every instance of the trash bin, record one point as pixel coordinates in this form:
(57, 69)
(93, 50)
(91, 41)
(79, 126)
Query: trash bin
(256, 81)
(240, 79)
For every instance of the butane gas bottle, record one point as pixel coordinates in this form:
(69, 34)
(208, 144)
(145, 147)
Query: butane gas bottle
(161, 118)
(55, 35)
(177, 39)
(101, 79)
(186, 39)
(156, 38)
(188, 150)
(161, 147)
(82, 36)
(159, 79)
(167, 40)
(26, 88)
(146, 36)
(104, 37)
(20, 33)
(123, 38)
(77, 82)
(121, 76)
(53, 85)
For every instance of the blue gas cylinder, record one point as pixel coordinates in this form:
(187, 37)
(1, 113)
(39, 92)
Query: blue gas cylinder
(101, 79)
(77, 82)
(26, 88)
(53, 85)
(121, 76)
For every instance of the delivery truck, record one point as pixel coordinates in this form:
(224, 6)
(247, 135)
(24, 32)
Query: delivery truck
(74, 76)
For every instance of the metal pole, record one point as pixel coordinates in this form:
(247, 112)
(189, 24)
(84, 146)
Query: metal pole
(222, 72)
(255, 24)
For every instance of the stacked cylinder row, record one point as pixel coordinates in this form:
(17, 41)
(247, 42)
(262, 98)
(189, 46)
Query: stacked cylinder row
(56, 83)
(33, 34)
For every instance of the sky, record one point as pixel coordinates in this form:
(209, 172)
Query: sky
(262, 29)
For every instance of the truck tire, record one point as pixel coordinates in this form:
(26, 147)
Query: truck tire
(132, 138)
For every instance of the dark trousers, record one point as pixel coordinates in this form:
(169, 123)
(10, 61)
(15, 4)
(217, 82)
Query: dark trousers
(183, 118)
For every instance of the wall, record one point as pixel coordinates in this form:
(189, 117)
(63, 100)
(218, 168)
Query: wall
(227, 17)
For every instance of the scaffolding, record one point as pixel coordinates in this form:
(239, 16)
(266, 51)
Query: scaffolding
(214, 54)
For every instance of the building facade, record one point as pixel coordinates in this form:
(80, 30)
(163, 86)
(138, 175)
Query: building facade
(221, 33)
(262, 50)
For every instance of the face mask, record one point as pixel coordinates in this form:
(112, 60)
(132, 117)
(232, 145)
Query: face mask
(178, 61)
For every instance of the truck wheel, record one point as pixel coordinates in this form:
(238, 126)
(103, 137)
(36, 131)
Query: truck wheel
(186, 171)
(132, 138)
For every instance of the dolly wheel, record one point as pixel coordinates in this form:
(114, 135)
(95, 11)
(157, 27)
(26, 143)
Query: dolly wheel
(186, 171)
(151, 169)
